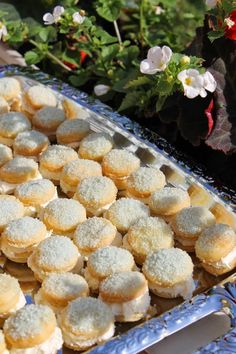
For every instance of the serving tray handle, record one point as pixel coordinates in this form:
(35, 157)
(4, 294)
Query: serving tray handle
(221, 298)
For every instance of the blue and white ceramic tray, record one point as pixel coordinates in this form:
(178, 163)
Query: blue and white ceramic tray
(212, 294)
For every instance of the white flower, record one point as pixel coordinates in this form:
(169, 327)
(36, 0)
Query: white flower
(77, 18)
(211, 3)
(101, 89)
(209, 82)
(159, 10)
(3, 31)
(49, 18)
(193, 83)
(230, 23)
(157, 60)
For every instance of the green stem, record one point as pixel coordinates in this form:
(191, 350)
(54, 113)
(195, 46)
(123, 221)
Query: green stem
(51, 56)
(118, 33)
(141, 22)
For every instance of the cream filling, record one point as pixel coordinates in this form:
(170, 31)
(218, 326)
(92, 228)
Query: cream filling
(226, 261)
(40, 208)
(75, 341)
(40, 300)
(55, 175)
(67, 187)
(130, 309)
(184, 289)
(145, 200)
(99, 211)
(185, 241)
(50, 346)
(15, 252)
(20, 303)
(6, 141)
(8, 188)
(92, 282)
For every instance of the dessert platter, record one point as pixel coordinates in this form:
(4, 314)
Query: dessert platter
(110, 239)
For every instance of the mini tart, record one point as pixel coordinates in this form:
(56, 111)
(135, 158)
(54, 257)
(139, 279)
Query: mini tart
(169, 273)
(96, 194)
(5, 154)
(11, 124)
(216, 248)
(125, 211)
(72, 131)
(34, 328)
(21, 236)
(168, 201)
(106, 261)
(11, 296)
(146, 236)
(63, 215)
(118, 165)
(20, 271)
(73, 110)
(143, 182)
(10, 209)
(75, 171)
(3, 348)
(39, 96)
(58, 289)
(9, 88)
(54, 159)
(95, 146)
(85, 322)
(35, 195)
(4, 106)
(189, 223)
(54, 254)
(16, 171)
(30, 144)
(127, 295)
(93, 234)
(48, 119)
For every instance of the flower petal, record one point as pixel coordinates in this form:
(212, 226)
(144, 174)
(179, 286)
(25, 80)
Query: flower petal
(209, 82)
(182, 75)
(147, 68)
(58, 11)
(48, 19)
(77, 18)
(101, 89)
(167, 53)
(191, 92)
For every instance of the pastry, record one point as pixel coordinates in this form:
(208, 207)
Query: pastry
(189, 223)
(75, 171)
(4, 106)
(20, 271)
(95, 146)
(71, 132)
(35, 195)
(169, 273)
(168, 201)
(146, 236)
(30, 144)
(21, 236)
(216, 248)
(9, 88)
(10, 209)
(3, 347)
(118, 165)
(5, 154)
(96, 194)
(58, 289)
(106, 261)
(95, 233)
(17, 171)
(11, 296)
(54, 159)
(55, 254)
(84, 322)
(11, 124)
(39, 96)
(127, 295)
(33, 329)
(63, 215)
(47, 120)
(143, 182)
(73, 110)
(125, 211)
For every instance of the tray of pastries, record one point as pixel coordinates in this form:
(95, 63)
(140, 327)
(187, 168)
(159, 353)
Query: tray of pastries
(110, 239)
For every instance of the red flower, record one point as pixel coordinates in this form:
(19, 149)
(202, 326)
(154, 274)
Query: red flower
(230, 30)
(70, 65)
(209, 115)
(83, 56)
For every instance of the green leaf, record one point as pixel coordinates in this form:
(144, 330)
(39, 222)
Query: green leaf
(80, 78)
(141, 80)
(130, 100)
(48, 34)
(31, 57)
(213, 35)
(160, 102)
(105, 37)
(110, 52)
(11, 14)
(109, 9)
(128, 54)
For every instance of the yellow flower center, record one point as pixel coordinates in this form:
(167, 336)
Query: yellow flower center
(188, 81)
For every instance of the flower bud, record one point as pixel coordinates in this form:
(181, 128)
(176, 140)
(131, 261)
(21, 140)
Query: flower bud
(185, 60)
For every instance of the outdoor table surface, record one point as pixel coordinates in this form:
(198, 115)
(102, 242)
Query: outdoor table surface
(187, 340)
